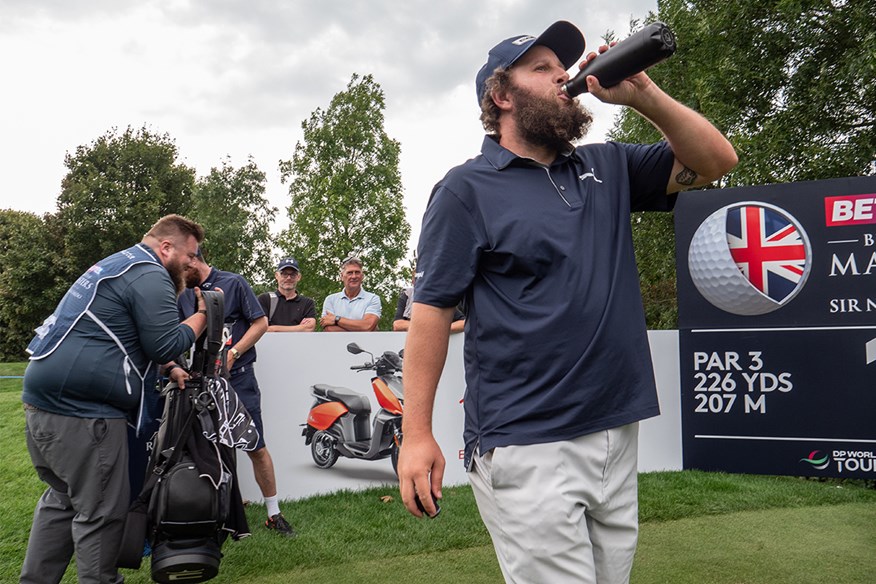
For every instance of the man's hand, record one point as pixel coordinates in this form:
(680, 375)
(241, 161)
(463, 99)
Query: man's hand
(624, 93)
(328, 319)
(179, 376)
(420, 472)
(420, 463)
(702, 153)
(176, 374)
(195, 322)
(199, 299)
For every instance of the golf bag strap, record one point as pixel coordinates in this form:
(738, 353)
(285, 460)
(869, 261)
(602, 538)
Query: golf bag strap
(274, 302)
(209, 346)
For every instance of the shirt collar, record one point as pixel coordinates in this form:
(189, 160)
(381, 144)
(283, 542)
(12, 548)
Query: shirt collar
(280, 295)
(500, 157)
(359, 295)
(150, 251)
(208, 283)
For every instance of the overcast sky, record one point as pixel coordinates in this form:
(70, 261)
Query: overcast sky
(237, 78)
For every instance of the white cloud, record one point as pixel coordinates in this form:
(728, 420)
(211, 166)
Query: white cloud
(237, 78)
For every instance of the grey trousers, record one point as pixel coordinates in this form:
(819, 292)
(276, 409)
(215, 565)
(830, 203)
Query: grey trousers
(562, 511)
(85, 463)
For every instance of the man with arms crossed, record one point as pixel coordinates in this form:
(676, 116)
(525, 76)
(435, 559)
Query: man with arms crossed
(248, 323)
(353, 309)
(535, 235)
(92, 363)
(287, 310)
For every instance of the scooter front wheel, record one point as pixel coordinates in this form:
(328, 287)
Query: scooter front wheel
(323, 450)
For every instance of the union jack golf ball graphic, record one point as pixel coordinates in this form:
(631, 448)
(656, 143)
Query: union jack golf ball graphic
(749, 258)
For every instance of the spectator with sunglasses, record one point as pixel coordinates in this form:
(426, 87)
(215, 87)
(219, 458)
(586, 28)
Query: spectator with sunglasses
(288, 311)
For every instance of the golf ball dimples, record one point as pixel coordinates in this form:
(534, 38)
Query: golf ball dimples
(716, 275)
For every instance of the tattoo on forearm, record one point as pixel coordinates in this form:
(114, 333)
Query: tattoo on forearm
(686, 176)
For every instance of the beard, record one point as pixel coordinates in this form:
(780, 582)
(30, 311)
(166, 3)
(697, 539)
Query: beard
(548, 122)
(191, 277)
(178, 275)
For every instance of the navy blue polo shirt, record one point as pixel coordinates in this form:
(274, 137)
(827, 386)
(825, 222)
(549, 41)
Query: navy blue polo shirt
(555, 344)
(241, 307)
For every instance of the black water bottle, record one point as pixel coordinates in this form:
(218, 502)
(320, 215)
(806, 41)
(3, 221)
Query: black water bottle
(651, 45)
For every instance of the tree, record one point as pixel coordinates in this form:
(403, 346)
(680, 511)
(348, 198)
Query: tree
(791, 83)
(115, 189)
(30, 285)
(231, 206)
(346, 196)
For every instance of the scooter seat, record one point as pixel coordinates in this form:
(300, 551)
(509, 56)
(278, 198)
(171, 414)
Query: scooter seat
(356, 402)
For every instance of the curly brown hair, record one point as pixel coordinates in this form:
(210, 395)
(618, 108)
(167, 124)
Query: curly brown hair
(499, 81)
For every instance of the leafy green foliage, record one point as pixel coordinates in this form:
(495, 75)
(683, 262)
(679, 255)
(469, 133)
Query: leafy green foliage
(346, 196)
(654, 241)
(115, 189)
(791, 83)
(230, 204)
(30, 286)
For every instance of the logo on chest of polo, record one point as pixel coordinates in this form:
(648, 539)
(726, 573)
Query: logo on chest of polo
(591, 174)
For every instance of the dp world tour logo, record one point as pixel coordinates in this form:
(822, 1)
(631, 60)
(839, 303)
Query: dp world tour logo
(749, 258)
(816, 460)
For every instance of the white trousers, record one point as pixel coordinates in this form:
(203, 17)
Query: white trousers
(562, 512)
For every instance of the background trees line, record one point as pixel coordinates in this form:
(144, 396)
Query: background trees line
(345, 198)
(791, 82)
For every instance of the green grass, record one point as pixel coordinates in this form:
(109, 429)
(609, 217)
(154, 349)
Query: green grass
(11, 370)
(696, 527)
(792, 545)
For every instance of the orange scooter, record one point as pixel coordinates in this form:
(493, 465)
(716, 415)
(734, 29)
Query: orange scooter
(339, 422)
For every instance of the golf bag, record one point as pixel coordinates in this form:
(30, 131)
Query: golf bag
(190, 502)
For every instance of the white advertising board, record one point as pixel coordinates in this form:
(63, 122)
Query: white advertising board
(290, 363)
